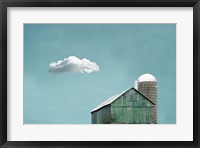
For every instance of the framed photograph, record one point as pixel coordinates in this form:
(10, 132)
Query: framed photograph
(99, 73)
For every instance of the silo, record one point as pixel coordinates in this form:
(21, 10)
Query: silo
(147, 85)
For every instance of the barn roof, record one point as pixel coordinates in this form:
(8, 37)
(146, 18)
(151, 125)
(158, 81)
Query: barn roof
(115, 97)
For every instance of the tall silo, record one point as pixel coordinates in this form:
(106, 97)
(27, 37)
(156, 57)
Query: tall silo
(147, 85)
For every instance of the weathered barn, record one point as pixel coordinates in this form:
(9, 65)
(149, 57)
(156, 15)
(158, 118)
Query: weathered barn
(131, 106)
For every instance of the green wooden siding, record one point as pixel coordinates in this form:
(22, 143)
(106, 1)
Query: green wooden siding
(102, 116)
(129, 108)
(132, 108)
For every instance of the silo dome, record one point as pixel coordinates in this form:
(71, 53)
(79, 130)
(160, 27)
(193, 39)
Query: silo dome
(146, 77)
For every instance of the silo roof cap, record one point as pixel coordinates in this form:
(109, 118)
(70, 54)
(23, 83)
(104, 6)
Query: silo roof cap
(146, 77)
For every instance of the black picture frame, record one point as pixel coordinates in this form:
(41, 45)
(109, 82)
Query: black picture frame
(4, 4)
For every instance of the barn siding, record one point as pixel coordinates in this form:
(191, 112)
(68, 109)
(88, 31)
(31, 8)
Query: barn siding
(102, 116)
(132, 108)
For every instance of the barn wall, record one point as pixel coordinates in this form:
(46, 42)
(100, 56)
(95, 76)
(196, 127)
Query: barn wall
(102, 116)
(132, 108)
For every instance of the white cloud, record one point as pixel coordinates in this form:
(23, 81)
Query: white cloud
(73, 64)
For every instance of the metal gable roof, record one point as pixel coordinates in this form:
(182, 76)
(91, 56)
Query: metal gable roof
(113, 98)
(108, 101)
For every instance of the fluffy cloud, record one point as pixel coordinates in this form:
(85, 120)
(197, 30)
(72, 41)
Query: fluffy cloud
(73, 64)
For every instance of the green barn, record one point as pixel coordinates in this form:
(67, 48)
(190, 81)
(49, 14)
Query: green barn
(129, 107)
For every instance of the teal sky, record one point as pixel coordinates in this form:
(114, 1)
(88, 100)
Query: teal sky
(123, 52)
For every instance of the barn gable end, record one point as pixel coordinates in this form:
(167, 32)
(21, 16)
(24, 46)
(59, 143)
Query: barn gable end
(132, 108)
(128, 107)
